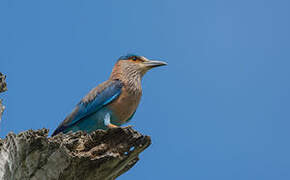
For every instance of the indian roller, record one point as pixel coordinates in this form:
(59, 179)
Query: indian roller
(113, 102)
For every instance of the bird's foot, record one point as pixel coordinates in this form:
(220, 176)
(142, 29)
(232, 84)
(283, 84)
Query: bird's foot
(108, 123)
(112, 126)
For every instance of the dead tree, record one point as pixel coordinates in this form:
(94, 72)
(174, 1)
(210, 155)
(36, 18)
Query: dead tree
(102, 155)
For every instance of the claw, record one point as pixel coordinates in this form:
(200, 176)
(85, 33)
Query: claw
(110, 125)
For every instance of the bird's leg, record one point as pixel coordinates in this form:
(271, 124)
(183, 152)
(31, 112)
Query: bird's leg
(107, 121)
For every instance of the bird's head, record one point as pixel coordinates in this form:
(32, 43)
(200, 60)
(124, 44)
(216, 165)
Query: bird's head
(135, 64)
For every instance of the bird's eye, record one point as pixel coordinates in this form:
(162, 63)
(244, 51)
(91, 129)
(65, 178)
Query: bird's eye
(134, 58)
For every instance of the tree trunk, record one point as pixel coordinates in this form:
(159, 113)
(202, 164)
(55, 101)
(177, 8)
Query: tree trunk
(102, 155)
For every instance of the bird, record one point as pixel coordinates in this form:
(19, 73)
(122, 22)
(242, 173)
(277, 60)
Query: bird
(113, 102)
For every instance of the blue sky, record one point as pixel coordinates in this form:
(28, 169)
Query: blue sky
(219, 110)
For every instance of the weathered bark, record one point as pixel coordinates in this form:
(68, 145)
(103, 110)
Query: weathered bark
(101, 155)
(3, 88)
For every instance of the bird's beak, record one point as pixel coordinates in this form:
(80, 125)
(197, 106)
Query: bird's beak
(152, 64)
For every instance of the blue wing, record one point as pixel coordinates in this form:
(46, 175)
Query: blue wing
(91, 103)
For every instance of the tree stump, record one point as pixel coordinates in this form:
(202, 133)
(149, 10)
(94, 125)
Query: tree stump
(101, 155)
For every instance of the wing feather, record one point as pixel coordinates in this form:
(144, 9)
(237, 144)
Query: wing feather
(91, 103)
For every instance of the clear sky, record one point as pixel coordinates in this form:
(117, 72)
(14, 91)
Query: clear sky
(219, 110)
